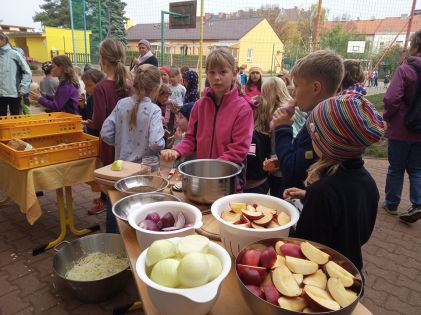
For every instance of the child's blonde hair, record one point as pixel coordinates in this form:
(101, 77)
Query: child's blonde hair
(146, 81)
(325, 66)
(174, 72)
(320, 166)
(114, 53)
(164, 89)
(274, 93)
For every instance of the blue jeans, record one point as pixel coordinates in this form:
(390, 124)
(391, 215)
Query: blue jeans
(403, 155)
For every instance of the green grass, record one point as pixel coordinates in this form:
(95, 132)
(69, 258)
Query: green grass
(377, 150)
(377, 100)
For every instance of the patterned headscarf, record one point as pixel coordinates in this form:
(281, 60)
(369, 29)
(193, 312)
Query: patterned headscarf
(346, 124)
(192, 79)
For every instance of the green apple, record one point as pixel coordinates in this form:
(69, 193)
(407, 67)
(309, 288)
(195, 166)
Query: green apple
(117, 165)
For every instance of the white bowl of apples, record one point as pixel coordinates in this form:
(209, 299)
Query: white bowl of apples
(247, 218)
(164, 219)
(284, 276)
(183, 275)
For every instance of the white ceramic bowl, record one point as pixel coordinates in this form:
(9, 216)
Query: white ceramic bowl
(235, 237)
(146, 237)
(192, 301)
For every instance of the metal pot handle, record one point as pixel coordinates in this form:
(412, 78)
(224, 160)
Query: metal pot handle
(56, 248)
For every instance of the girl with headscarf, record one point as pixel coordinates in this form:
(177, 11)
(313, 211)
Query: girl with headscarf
(191, 81)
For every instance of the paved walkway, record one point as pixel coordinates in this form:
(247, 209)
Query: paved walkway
(28, 286)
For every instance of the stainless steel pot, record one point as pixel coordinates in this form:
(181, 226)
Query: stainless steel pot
(97, 290)
(205, 181)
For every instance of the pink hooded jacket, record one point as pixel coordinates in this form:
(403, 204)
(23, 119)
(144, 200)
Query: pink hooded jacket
(223, 132)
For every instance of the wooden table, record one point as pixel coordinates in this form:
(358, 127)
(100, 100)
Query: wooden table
(230, 300)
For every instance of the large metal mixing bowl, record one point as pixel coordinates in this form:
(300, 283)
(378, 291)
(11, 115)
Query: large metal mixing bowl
(145, 184)
(124, 206)
(97, 290)
(205, 181)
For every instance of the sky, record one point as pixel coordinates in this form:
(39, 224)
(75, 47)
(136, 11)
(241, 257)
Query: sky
(20, 12)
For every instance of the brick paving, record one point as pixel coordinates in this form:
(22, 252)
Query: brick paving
(27, 285)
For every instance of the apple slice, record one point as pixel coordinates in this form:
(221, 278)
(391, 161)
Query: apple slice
(272, 224)
(278, 245)
(255, 290)
(352, 296)
(285, 283)
(280, 261)
(283, 218)
(296, 304)
(251, 257)
(244, 219)
(230, 217)
(252, 215)
(268, 257)
(250, 277)
(338, 292)
(250, 208)
(261, 270)
(308, 310)
(317, 279)
(336, 271)
(267, 280)
(319, 299)
(271, 294)
(237, 206)
(245, 225)
(298, 277)
(290, 249)
(301, 266)
(265, 220)
(266, 210)
(314, 254)
(257, 226)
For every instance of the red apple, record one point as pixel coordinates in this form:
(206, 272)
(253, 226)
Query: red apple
(265, 220)
(250, 276)
(251, 257)
(255, 290)
(268, 257)
(293, 250)
(252, 215)
(271, 294)
(261, 270)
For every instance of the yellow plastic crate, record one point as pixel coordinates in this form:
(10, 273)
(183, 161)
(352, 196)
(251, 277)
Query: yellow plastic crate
(51, 150)
(29, 126)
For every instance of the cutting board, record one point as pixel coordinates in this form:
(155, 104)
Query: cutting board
(128, 169)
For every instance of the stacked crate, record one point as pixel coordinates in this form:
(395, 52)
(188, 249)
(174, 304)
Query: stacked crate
(55, 138)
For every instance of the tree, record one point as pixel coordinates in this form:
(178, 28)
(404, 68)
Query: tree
(54, 13)
(390, 61)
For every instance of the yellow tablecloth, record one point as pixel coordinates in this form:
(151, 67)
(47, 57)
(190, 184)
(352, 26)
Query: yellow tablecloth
(21, 186)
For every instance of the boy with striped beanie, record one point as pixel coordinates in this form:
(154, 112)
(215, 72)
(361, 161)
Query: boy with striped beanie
(341, 199)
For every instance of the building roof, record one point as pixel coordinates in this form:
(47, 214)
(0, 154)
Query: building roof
(374, 26)
(16, 28)
(213, 30)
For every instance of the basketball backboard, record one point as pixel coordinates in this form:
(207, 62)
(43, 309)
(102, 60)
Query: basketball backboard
(184, 7)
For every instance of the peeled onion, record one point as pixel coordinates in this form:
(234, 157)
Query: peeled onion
(193, 244)
(165, 273)
(159, 250)
(193, 270)
(215, 266)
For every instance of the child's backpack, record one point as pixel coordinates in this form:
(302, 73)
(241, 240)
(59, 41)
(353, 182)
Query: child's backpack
(413, 113)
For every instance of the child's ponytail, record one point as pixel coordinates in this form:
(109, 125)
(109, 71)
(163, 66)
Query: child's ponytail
(146, 83)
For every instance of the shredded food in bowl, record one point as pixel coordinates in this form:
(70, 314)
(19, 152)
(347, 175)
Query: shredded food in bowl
(96, 266)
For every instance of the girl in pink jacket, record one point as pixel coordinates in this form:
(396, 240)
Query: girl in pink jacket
(221, 122)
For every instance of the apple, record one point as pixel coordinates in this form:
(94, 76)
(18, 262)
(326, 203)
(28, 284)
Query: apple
(338, 292)
(268, 257)
(250, 276)
(296, 304)
(290, 249)
(117, 165)
(280, 261)
(301, 266)
(266, 210)
(268, 279)
(265, 220)
(271, 293)
(252, 215)
(272, 224)
(317, 279)
(352, 296)
(255, 290)
(251, 257)
(298, 277)
(278, 245)
(230, 217)
(314, 254)
(336, 271)
(261, 270)
(237, 206)
(244, 219)
(308, 310)
(250, 208)
(283, 218)
(319, 299)
(284, 281)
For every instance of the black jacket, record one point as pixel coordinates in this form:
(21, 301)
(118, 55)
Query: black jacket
(340, 210)
(150, 61)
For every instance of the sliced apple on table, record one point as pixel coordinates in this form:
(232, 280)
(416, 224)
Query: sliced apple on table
(298, 277)
(230, 217)
(336, 271)
(314, 254)
(265, 220)
(319, 299)
(284, 281)
(280, 261)
(237, 207)
(252, 215)
(266, 210)
(317, 279)
(338, 292)
(278, 245)
(291, 249)
(301, 266)
(283, 218)
(296, 304)
(268, 257)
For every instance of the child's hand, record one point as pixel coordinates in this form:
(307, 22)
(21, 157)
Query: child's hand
(294, 193)
(34, 96)
(169, 155)
(271, 165)
(178, 133)
(81, 101)
(280, 117)
(89, 123)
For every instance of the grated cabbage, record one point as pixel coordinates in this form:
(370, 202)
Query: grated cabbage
(96, 266)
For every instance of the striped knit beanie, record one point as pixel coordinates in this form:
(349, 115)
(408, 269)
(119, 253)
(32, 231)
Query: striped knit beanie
(346, 125)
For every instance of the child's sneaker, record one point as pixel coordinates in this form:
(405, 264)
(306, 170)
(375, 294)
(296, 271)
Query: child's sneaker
(412, 216)
(98, 208)
(391, 209)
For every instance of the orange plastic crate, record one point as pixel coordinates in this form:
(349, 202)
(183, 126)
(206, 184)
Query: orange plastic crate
(51, 150)
(29, 126)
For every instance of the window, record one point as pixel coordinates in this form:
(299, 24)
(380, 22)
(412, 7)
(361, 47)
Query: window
(250, 55)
